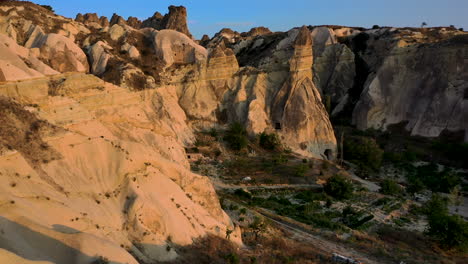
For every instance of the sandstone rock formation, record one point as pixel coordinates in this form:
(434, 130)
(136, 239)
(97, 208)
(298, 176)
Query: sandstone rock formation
(137, 191)
(176, 20)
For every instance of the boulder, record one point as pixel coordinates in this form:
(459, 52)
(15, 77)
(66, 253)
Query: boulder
(98, 57)
(116, 31)
(61, 53)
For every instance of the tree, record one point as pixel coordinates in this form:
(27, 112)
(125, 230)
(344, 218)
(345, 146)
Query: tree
(339, 187)
(268, 141)
(236, 136)
(364, 152)
(423, 24)
(450, 231)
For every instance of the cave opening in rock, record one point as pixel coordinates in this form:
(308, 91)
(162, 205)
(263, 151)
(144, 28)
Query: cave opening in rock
(328, 154)
(278, 126)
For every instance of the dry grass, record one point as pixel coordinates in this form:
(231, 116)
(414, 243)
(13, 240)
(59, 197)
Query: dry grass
(272, 249)
(23, 131)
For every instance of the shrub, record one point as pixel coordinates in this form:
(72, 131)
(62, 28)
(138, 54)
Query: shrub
(48, 7)
(243, 194)
(269, 141)
(451, 231)
(301, 170)
(375, 27)
(100, 260)
(428, 176)
(364, 152)
(339, 187)
(236, 136)
(232, 258)
(390, 187)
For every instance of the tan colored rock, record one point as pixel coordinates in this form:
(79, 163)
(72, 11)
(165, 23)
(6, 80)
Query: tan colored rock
(98, 57)
(137, 191)
(222, 63)
(61, 53)
(19, 63)
(173, 47)
(116, 31)
(132, 51)
(298, 105)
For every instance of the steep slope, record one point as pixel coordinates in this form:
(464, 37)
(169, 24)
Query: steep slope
(423, 85)
(97, 170)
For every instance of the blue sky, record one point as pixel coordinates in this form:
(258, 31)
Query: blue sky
(208, 17)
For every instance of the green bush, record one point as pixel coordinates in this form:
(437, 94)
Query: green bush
(236, 137)
(269, 141)
(339, 187)
(243, 194)
(300, 170)
(451, 231)
(100, 260)
(48, 7)
(232, 258)
(428, 176)
(390, 187)
(364, 152)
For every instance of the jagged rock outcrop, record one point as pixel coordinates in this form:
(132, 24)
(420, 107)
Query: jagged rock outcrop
(92, 20)
(61, 53)
(104, 21)
(322, 37)
(298, 105)
(334, 73)
(176, 20)
(117, 20)
(134, 22)
(257, 31)
(19, 63)
(204, 40)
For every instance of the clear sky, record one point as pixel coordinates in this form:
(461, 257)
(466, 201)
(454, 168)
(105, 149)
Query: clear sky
(209, 16)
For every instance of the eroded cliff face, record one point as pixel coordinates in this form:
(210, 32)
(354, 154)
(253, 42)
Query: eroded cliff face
(89, 168)
(423, 85)
(100, 171)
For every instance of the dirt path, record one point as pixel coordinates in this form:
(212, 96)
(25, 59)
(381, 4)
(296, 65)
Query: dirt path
(225, 186)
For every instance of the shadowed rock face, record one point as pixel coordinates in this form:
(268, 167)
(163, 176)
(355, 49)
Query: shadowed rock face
(404, 89)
